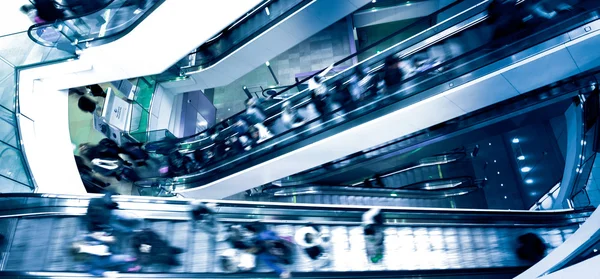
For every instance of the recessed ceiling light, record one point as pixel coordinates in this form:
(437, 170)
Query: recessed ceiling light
(498, 172)
(505, 197)
(515, 140)
(529, 181)
(494, 161)
(490, 143)
(373, 1)
(525, 169)
(501, 184)
(521, 158)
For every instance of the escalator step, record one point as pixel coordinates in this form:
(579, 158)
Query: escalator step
(178, 237)
(30, 244)
(64, 231)
(161, 228)
(403, 179)
(203, 257)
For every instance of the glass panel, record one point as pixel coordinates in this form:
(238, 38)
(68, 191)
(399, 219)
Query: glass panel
(11, 164)
(8, 133)
(139, 119)
(7, 91)
(153, 135)
(145, 91)
(20, 50)
(10, 186)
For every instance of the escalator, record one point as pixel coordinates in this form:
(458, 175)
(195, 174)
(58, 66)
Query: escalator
(428, 168)
(439, 193)
(459, 192)
(453, 87)
(431, 243)
(92, 26)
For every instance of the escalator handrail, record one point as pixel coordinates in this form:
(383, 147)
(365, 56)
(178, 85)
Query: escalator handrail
(432, 273)
(347, 58)
(474, 51)
(232, 203)
(310, 175)
(470, 185)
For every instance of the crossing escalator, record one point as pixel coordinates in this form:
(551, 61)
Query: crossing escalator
(434, 243)
(473, 63)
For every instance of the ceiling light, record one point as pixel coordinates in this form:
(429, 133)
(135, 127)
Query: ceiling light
(490, 143)
(494, 161)
(267, 63)
(267, 11)
(525, 169)
(521, 158)
(498, 172)
(515, 140)
(374, 1)
(393, 194)
(501, 184)
(529, 181)
(505, 197)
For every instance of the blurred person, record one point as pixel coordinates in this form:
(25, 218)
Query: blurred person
(90, 182)
(101, 215)
(107, 162)
(239, 237)
(241, 127)
(151, 248)
(31, 12)
(372, 222)
(319, 97)
(236, 260)
(203, 156)
(96, 252)
(95, 90)
(232, 146)
(367, 82)
(313, 242)
(341, 95)
(255, 114)
(47, 11)
(203, 216)
(179, 164)
(274, 251)
(290, 117)
(505, 17)
(378, 181)
(392, 73)
(531, 247)
(136, 153)
(319, 91)
(86, 104)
